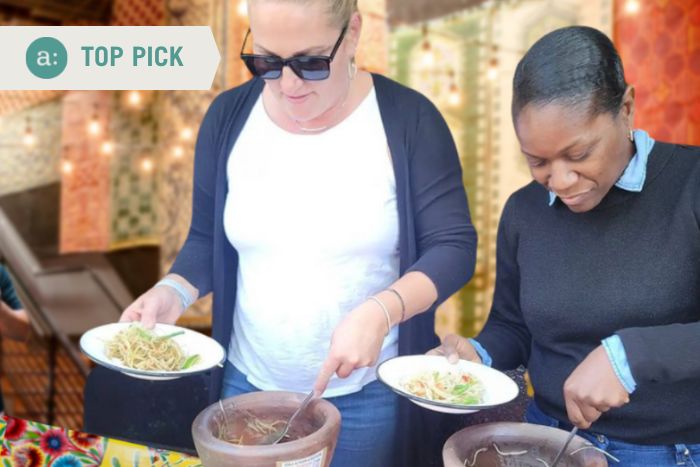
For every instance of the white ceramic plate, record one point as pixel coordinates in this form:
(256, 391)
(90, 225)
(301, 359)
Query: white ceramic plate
(92, 343)
(498, 387)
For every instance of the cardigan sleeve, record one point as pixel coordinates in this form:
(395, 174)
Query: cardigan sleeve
(505, 336)
(445, 237)
(194, 261)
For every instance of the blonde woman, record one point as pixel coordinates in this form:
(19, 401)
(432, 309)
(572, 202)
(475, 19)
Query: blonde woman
(329, 219)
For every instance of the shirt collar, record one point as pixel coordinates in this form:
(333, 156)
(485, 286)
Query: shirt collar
(632, 179)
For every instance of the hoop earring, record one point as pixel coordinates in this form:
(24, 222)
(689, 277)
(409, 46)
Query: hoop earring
(631, 136)
(352, 69)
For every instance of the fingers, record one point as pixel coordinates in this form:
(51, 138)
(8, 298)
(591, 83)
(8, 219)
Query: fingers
(581, 412)
(131, 313)
(575, 414)
(148, 315)
(328, 369)
(455, 347)
(450, 345)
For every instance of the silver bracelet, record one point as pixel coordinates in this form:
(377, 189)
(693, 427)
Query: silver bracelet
(403, 304)
(185, 298)
(385, 310)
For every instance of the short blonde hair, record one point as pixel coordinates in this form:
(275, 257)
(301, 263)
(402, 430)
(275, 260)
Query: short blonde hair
(339, 10)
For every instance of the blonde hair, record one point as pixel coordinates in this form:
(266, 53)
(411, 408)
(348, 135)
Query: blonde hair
(340, 11)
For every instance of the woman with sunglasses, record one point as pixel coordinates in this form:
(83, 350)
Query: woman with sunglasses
(598, 261)
(329, 219)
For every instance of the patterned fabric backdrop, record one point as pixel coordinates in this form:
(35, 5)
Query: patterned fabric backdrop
(660, 49)
(23, 168)
(465, 63)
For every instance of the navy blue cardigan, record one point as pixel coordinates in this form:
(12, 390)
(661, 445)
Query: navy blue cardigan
(436, 235)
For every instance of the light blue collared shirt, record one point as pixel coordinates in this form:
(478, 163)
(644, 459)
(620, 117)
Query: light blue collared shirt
(632, 179)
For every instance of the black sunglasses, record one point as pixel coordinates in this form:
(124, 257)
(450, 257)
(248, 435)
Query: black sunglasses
(306, 67)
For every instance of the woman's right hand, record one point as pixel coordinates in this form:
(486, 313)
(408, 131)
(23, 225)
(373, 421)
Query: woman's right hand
(456, 347)
(160, 304)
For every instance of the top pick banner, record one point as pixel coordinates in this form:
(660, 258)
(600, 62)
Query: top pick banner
(107, 57)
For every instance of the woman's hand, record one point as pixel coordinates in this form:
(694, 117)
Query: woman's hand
(356, 343)
(592, 389)
(456, 347)
(160, 304)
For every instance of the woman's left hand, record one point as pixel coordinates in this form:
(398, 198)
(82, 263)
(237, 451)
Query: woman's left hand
(356, 343)
(592, 389)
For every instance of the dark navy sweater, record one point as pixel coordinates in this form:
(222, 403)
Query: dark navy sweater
(631, 267)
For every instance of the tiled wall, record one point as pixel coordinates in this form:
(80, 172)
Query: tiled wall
(22, 168)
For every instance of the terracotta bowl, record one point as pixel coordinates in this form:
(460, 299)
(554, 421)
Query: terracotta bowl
(316, 431)
(521, 444)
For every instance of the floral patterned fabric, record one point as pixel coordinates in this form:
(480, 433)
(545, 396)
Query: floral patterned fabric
(32, 444)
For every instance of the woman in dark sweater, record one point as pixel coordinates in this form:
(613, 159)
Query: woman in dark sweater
(598, 262)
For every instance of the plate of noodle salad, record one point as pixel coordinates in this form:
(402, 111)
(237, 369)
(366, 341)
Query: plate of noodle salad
(431, 381)
(162, 353)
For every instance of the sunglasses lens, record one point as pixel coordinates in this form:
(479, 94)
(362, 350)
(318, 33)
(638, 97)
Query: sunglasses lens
(311, 68)
(264, 67)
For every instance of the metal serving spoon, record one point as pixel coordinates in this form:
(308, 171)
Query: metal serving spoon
(277, 435)
(566, 444)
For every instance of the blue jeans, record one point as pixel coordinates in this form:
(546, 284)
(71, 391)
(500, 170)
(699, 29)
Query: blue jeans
(632, 455)
(368, 425)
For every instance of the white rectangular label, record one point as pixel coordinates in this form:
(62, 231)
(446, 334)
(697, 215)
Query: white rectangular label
(315, 460)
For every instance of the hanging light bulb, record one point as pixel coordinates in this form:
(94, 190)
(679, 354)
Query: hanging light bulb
(107, 147)
(29, 139)
(67, 167)
(454, 97)
(492, 72)
(134, 98)
(186, 134)
(632, 7)
(428, 57)
(94, 128)
(147, 165)
(242, 8)
(178, 152)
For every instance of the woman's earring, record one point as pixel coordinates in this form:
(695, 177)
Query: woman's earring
(631, 136)
(352, 69)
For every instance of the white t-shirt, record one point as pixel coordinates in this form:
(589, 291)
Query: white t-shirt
(315, 224)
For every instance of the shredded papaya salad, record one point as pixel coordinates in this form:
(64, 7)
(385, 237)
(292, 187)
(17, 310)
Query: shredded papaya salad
(452, 387)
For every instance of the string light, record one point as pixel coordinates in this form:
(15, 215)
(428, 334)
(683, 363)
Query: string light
(186, 134)
(29, 139)
(67, 167)
(242, 8)
(94, 128)
(134, 98)
(107, 147)
(492, 72)
(428, 58)
(632, 7)
(147, 165)
(178, 152)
